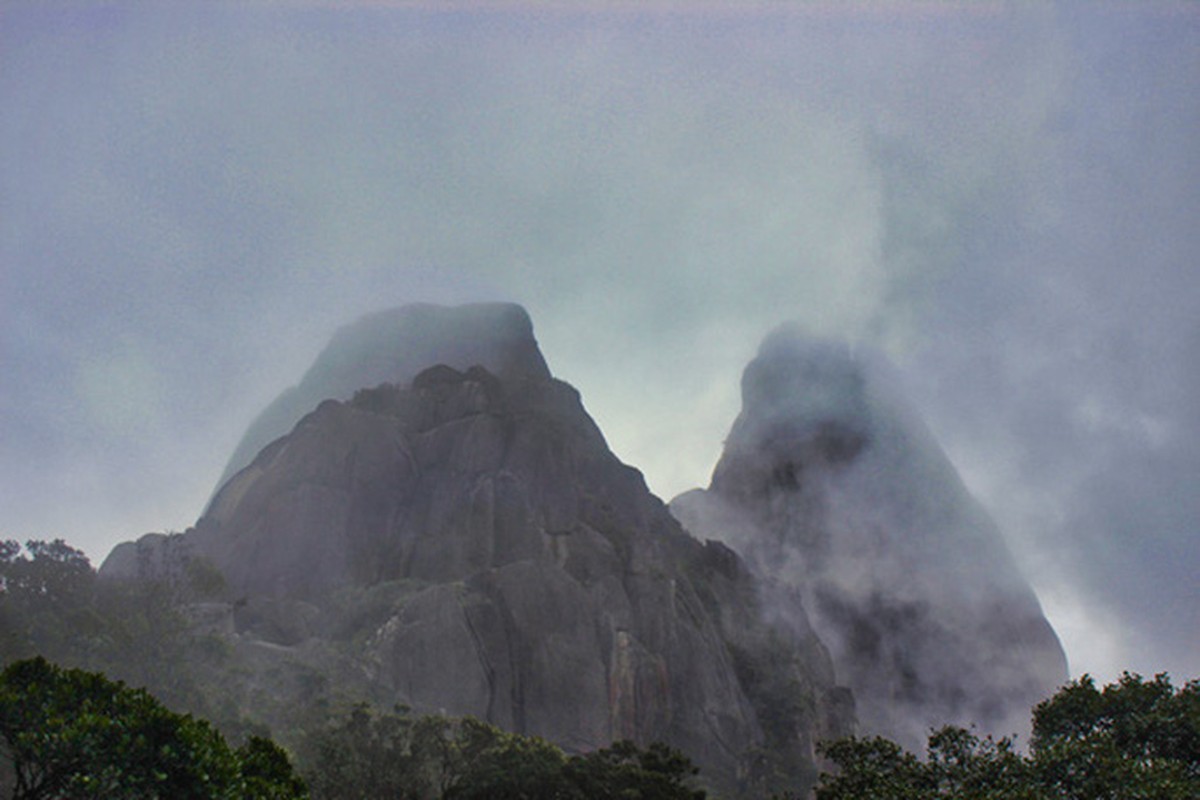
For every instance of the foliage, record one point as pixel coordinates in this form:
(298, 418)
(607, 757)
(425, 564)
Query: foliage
(486, 763)
(53, 569)
(626, 771)
(267, 772)
(397, 755)
(364, 756)
(962, 765)
(67, 733)
(1141, 736)
(52, 604)
(872, 768)
(1133, 740)
(44, 596)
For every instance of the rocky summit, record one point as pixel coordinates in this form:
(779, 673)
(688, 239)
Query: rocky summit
(830, 484)
(461, 540)
(392, 347)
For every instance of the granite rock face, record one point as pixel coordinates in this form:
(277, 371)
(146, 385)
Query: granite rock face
(471, 543)
(830, 484)
(392, 347)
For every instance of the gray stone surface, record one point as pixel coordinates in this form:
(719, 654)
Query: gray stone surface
(471, 543)
(392, 347)
(831, 485)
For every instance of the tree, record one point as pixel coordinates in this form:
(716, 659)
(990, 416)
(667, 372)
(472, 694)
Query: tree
(45, 597)
(491, 764)
(53, 604)
(624, 770)
(961, 765)
(366, 755)
(267, 772)
(396, 755)
(67, 733)
(871, 769)
(53, 569)
(1133, 740)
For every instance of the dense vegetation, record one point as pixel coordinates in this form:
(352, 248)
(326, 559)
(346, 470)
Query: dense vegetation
(67, 733)
(400, 756)
(72, 732)
(1135, 739)
(52, 604)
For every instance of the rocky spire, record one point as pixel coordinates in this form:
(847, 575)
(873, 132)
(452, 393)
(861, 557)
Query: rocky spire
(831, 484)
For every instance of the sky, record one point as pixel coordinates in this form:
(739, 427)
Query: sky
(1004, 197)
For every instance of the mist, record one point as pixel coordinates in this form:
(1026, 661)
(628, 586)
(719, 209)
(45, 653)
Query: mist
(1000, 197)
(832, 487)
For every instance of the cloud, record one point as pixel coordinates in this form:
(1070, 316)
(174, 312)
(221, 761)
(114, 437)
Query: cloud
(191, 202)
(1056, 355)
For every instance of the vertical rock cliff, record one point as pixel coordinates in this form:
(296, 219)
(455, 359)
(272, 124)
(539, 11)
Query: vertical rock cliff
(464, 542)
(830, 484)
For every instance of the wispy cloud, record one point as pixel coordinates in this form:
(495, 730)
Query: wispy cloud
(190, 203)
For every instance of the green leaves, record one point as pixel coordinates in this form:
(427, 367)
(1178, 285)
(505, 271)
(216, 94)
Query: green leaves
(75, 734)
(1136, 737)
(45, 595)
(626, 771)
(1133, 740)
(267, 772)
(52, 604)
(872, 769)
(397, 756)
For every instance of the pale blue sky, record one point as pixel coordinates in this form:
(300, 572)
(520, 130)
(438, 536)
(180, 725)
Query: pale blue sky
(1003, 196)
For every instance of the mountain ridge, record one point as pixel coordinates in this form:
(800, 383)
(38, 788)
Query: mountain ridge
(460, 539)
(831, 483)
(501, 562)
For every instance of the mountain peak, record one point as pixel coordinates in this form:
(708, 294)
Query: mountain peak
(392, 346)
(466, 541)
(830, 483)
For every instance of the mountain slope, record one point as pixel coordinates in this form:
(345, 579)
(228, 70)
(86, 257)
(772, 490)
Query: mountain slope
(468, 544)
(392, 347)
(829, 483)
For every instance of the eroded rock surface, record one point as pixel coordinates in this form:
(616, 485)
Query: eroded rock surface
(392, 347)
(471, 544)
(830, 484)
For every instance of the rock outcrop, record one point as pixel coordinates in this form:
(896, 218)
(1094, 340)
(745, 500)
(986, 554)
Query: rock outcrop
(468, 539)
(828, 483)
(392, 347)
